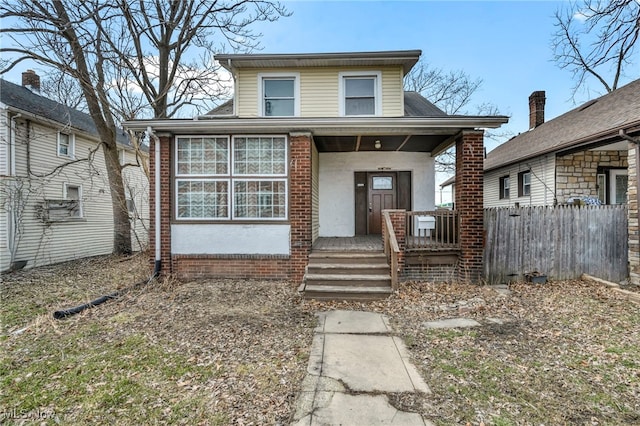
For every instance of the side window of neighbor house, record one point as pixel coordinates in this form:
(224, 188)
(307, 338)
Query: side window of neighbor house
(279, 95)
(360, 94)
(74, 193)
(524, 184)
(504, 187)
(65, 144)
(246, 180)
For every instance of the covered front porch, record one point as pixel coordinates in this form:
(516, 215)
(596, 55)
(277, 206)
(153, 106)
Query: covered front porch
(423, 245)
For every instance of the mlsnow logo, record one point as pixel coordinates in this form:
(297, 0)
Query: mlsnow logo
(15, 414)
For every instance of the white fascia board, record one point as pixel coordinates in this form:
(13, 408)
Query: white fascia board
(321, 126)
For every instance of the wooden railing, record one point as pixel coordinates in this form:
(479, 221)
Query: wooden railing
(433, 230)
(391, 249)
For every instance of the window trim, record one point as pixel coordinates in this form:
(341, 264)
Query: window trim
(231, 178)
(65, 196)
(279, 76)
(521, 184)
(504, 187)
(377, 86)
(175, 151)
(71, 147)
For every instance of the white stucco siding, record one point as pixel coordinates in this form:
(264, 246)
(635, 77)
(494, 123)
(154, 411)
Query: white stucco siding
(230, 239)
(542, 183)
(337, 199)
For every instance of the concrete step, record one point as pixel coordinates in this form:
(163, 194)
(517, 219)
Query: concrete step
(348, 268)
(366, 280)
(354, 293)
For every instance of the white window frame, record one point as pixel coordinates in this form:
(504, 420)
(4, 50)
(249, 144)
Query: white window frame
(244, 175)
(246, 179)
(524, 188)
(229, 157)
(377, 86)
(612, 183)
(197, 179)
(295, 76)
(71, 147)
(122, 156)
(65, 195)
(503, 189)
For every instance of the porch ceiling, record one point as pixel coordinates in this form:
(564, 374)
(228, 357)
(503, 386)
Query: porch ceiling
(405, 143)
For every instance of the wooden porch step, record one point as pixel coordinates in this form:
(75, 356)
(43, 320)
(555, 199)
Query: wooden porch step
(348, 268)
(367, 280)
(354, 293)
(347, 257)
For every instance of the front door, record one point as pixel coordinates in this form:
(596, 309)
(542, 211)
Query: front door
(382, 196)
(377, 191)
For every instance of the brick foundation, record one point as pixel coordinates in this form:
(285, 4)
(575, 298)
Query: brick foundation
(231, 266)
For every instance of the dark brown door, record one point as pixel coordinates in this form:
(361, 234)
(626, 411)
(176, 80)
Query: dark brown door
(382, 196)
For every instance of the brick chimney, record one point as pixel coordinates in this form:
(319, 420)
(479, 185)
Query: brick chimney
(536, 109)
(31, 81)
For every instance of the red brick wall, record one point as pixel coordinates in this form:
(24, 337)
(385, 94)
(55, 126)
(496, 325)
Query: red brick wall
(300, 204)
(399, 223)
(231, 266)
(468, 202)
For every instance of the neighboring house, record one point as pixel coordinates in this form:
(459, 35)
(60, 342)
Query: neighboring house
(579, 155)
(55, 203)
(312, 147)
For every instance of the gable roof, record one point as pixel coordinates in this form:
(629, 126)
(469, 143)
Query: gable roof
(415, 105)
(595, 121)
(22, 99)
(406, 58)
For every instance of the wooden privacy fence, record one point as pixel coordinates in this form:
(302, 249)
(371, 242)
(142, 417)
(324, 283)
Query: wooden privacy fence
(561, 242)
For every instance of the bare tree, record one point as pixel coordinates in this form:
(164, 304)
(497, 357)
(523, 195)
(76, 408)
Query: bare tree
(596, 39)
(64, 89)
(450, 91)
(130, 45)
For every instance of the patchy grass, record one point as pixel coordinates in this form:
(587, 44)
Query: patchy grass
(235, 352)
(210, 353)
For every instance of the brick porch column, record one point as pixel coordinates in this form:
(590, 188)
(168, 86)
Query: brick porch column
(300, 203)
(399, 222)
(469, 203)
(165, 202)
(632, 199)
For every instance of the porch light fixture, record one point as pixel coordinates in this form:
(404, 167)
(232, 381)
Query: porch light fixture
(377, 144)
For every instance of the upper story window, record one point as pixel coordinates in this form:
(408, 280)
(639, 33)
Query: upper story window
(65, 145)
(524, 184)
(360, 94)
(279, 95)
(504, 187)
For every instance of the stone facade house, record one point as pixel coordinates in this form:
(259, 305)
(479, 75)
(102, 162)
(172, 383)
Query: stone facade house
(313, 150)
(55, 203)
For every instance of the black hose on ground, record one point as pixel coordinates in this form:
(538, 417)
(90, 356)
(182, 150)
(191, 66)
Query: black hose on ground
(100, 300)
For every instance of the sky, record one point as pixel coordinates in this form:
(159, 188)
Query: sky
(506, 44)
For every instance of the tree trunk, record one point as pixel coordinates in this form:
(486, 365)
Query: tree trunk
(121, 225)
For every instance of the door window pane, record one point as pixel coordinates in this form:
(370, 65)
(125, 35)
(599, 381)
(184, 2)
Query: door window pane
(382, 182)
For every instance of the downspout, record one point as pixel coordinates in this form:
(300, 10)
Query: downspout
(158, 259)
(158, 252)
(12, 146)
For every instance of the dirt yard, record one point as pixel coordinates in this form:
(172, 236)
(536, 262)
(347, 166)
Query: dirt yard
(234, 352)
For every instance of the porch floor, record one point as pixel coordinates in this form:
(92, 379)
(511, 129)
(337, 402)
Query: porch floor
(357, 243)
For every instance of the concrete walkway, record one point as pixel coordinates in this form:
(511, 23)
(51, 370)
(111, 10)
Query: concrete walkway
(354, 365)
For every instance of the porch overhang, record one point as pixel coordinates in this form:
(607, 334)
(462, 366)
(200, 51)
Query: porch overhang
(342, 134)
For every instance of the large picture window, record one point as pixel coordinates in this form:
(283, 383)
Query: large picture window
(244, 178)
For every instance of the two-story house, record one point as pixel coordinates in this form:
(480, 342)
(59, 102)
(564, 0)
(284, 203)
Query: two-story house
(311, 149)
(55, 202)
